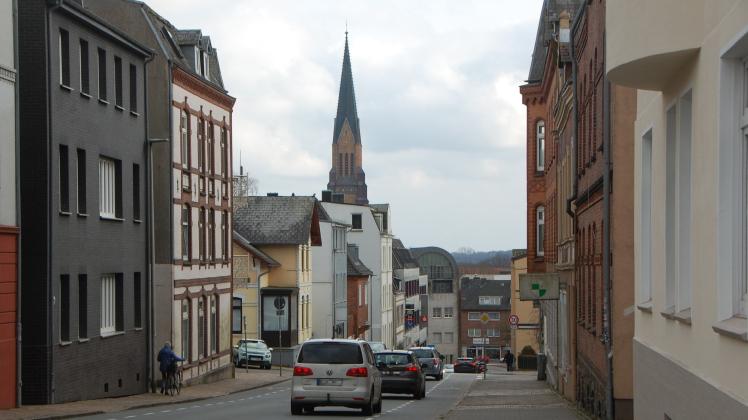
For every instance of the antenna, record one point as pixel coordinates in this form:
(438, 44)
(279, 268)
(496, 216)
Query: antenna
(241, 167)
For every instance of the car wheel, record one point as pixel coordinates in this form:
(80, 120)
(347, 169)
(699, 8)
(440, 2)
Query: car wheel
(295, 409)
(368, 409)
(418, 394)
(439, 377)
(308, 409)
(378, 406)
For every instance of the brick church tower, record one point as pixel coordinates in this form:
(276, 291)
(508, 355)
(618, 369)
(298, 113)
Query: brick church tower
(347, 174)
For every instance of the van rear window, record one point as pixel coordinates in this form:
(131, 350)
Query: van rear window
(331, 353)
(423, 354)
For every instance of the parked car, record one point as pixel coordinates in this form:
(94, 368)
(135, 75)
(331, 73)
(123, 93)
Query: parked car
(336, 373)
(449, 368)
(235, 350)
(466, 365)
(253, 353)
(401, 373)
(430, 361)
(377, 346)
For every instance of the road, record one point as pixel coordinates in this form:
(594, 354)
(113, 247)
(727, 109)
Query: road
(274, 403)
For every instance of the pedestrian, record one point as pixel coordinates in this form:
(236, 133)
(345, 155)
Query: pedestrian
(509, 359)
(167, 360)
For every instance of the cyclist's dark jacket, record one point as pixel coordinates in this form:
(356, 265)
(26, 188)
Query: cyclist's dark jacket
(166, 358)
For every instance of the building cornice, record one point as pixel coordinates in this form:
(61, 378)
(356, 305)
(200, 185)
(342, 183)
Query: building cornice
(194, 85)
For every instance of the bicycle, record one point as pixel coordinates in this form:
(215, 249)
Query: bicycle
(174, 381)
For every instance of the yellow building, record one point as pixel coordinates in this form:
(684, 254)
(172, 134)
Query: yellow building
(526, 333)
(283, 229)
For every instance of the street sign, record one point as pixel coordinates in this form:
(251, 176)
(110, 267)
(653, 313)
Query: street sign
(479, 340)
(539, 286)
(513, 326)
(513, 319)
(484, 318)
(279, 303)
(280, 312)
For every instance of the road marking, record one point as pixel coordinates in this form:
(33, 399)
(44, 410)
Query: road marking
(129, 417)
(195, 406)
(148, 414)
(181, 408)
(232, 401)
(166, 411)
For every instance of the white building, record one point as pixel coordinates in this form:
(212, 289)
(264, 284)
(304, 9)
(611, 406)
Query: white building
(329, 283)
(411, 282)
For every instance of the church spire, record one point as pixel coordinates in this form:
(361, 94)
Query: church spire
(346, 99)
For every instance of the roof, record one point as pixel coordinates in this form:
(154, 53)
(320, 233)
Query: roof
(417, 253)
(244, 243)
(381, 208)
(403, 258)
(283, 220)
(347, 100)
(548, 14)
(356, 267)
(472, 288)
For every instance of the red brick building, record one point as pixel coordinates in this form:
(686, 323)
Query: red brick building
(358, 296)
(485, 307)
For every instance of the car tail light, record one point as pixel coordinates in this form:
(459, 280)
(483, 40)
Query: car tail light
(411, 368)
(302, 371)
(361, 372)
(472, 364)
(436, 362)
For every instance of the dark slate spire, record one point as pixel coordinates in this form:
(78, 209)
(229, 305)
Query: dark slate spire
(346, 99)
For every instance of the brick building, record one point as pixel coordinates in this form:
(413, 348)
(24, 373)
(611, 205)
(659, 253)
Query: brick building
(83, 167)
(485, 306)
(358, 295)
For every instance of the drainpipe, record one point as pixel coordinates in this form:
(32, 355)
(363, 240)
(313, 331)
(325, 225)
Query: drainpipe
(259, 318)
(577, 19)
(607, 333)
(19, 337)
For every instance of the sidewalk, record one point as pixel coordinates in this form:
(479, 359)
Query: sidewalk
(256, 378)
(512, 395)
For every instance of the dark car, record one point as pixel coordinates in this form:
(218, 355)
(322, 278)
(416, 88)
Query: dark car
(377, 346)
(401, 373)
(430, 361)
(466, 365)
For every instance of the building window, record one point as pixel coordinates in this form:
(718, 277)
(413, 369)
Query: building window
(186, 329)
(224, 153)
(81, 181)
(64, 180)
(237, 318)
(356, 222)
(110, 188)
(489, 300)
(85, 79)
(117, 81)
(645, 215)
(201, 147)
(212, 235)
(473, 316)
(201, 232)
(473, 332)
(540, 146)
(111, 304)
(184, 132)
(214, 324)
(492, 332)
(64, 58)
(436, 312)
(340, 163)
(201, 320)
(225, 237)
(82, 306)
(448, 312)
(137, 301)
(186, 233)
(102, 74)
(494, 316)
(135, 191)
(540, 230)
(448, 338)
(211, 151)
(436, 338)
(133, 88)
(64, 308)
(441, 286)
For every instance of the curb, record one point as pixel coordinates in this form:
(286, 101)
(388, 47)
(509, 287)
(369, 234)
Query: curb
(165, 402)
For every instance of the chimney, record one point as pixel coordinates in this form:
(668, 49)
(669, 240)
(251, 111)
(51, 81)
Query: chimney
(326, 196)
(273, 194)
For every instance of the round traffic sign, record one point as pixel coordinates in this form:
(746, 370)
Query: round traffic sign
(513, 319)
(279, 303)
(484, 318)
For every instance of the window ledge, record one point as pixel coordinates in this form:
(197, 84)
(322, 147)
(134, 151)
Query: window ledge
(112, 219)
(103, 101)
(645, 306)
(66, 87)
(735, 327)
(137, 221)
(65, 343)
(85, 95)
(112, 334)
(134, 113)
(82, 214)
(84, 340)
(119, 108)
(669, 313)
(683, 316)
(138, 328)
(65, 213)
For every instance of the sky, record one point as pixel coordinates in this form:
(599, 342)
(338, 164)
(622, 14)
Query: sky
(437, 90)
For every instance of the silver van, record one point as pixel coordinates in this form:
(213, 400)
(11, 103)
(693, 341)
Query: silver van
(336, 373)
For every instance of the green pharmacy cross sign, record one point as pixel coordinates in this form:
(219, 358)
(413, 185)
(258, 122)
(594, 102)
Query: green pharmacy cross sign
(538, 286)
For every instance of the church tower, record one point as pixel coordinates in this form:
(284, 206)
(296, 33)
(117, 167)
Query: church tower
(347, 174)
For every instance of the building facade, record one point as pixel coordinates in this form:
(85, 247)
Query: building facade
(443, 303)
(528, 325)
(358, 291)
(485, 306)
(407, 273)
(329, 284)
(690, 194)
(83, 165)
(9, 215)
(347, 175)
(381, 213)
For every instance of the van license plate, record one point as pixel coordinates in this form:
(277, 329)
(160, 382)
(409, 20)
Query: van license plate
(329, 382)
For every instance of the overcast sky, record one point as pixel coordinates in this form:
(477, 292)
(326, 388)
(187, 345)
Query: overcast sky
(442, 122)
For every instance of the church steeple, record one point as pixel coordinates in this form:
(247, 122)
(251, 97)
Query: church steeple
(346, 99)
(347, 175)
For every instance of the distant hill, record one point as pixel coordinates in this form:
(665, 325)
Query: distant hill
(470, 257)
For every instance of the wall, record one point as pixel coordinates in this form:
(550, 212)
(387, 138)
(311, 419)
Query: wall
(323, 284)
(528, 315)
(358, 315)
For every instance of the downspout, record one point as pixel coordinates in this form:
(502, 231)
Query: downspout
(259, 318)
(607, 333)
(149, 228)
(574, 142)
(19, 325)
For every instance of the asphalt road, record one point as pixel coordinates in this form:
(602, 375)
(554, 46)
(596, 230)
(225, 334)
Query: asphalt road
(273, 402)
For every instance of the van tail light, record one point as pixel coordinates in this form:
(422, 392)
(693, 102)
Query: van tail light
(360, 372)
(411, 368)
(301, 371)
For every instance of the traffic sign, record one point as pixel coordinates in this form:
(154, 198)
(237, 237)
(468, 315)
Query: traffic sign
(484, 318)
(513, 326)
(513, 319)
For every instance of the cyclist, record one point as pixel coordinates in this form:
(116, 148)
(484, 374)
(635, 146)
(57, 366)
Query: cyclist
(167, 364)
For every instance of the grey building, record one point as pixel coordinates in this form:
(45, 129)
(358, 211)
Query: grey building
(83, 166)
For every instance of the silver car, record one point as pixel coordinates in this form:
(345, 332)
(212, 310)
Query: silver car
(430, 360)
(336, 373)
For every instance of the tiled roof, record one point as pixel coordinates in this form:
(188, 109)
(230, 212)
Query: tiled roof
(267, 259)
(276, 220)
(472, 288)
(548, 14)
(403, 258)
(346, 100)
(356, 267)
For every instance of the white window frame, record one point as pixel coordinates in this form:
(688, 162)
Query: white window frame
(436, 312)
(107, 188)
(494, 316)
(451, 338)
(474, 332)
(184, 138)
(645, 219)
(473, 316)
(489, 300)
(448, 312)
(493, 332)
(540, 233)
(540, 146)
(108, 323)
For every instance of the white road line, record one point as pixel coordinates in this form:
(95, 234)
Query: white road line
(148, 414)
(232, 401)
(166, 411)
(129, 417)
(195, 406)
(181, 408)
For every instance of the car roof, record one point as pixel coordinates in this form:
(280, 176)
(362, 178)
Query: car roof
(422, 348)
(395, 352)
(333, 340)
